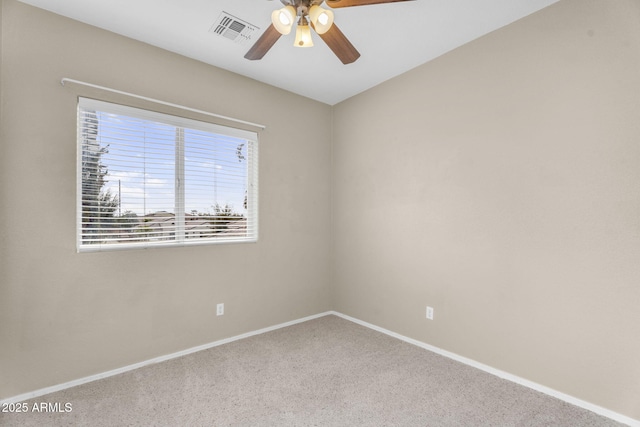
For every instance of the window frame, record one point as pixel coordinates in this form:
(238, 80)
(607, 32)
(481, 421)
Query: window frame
(180, 239)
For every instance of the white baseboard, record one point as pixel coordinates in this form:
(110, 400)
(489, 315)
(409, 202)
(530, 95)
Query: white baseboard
(502, 374)
(90, 378)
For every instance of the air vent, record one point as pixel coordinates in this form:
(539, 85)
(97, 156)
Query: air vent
(232, 28)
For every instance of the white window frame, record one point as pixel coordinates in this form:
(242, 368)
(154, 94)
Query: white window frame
(180, 239)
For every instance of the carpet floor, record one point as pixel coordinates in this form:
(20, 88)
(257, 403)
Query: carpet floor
(323, 372)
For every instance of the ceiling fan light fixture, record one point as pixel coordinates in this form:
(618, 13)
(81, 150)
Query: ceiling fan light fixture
(303, 34)
(283, 19)
(310, 14)
(322, 19)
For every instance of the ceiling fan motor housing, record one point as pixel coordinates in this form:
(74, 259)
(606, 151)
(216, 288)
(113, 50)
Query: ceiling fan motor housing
(302, 6)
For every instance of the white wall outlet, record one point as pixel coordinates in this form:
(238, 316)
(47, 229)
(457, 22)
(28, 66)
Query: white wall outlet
(429, 313)
(220, 309)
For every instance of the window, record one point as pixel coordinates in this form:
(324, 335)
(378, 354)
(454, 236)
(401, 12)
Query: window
(148, 179)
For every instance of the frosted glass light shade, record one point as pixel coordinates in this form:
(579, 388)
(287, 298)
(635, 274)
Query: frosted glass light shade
(283, 19)
(303, 36)
(322, 19)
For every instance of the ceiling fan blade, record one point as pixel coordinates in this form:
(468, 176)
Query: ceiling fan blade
(263, 44)
(349, 3)
(340, 45)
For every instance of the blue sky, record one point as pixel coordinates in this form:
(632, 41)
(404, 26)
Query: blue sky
(141, 162)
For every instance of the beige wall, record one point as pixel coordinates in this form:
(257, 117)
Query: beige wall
(65, 315)
(500, 185)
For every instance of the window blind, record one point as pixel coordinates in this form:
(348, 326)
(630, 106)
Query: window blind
(150, 179)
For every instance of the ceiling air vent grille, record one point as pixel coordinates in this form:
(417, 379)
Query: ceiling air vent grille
(232, 28)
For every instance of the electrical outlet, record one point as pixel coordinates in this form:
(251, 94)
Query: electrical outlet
(429, 313)
(220, 309)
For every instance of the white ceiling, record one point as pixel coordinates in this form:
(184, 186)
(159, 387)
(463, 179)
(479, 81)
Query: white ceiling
(392, 38)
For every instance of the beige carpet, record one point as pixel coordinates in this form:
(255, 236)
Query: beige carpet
(324, 372)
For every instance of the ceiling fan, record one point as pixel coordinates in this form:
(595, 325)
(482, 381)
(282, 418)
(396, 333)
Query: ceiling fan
(309, 14)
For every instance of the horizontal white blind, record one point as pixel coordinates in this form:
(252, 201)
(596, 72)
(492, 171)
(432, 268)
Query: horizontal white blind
(151, 179)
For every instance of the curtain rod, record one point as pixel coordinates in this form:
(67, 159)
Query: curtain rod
(157, 101)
